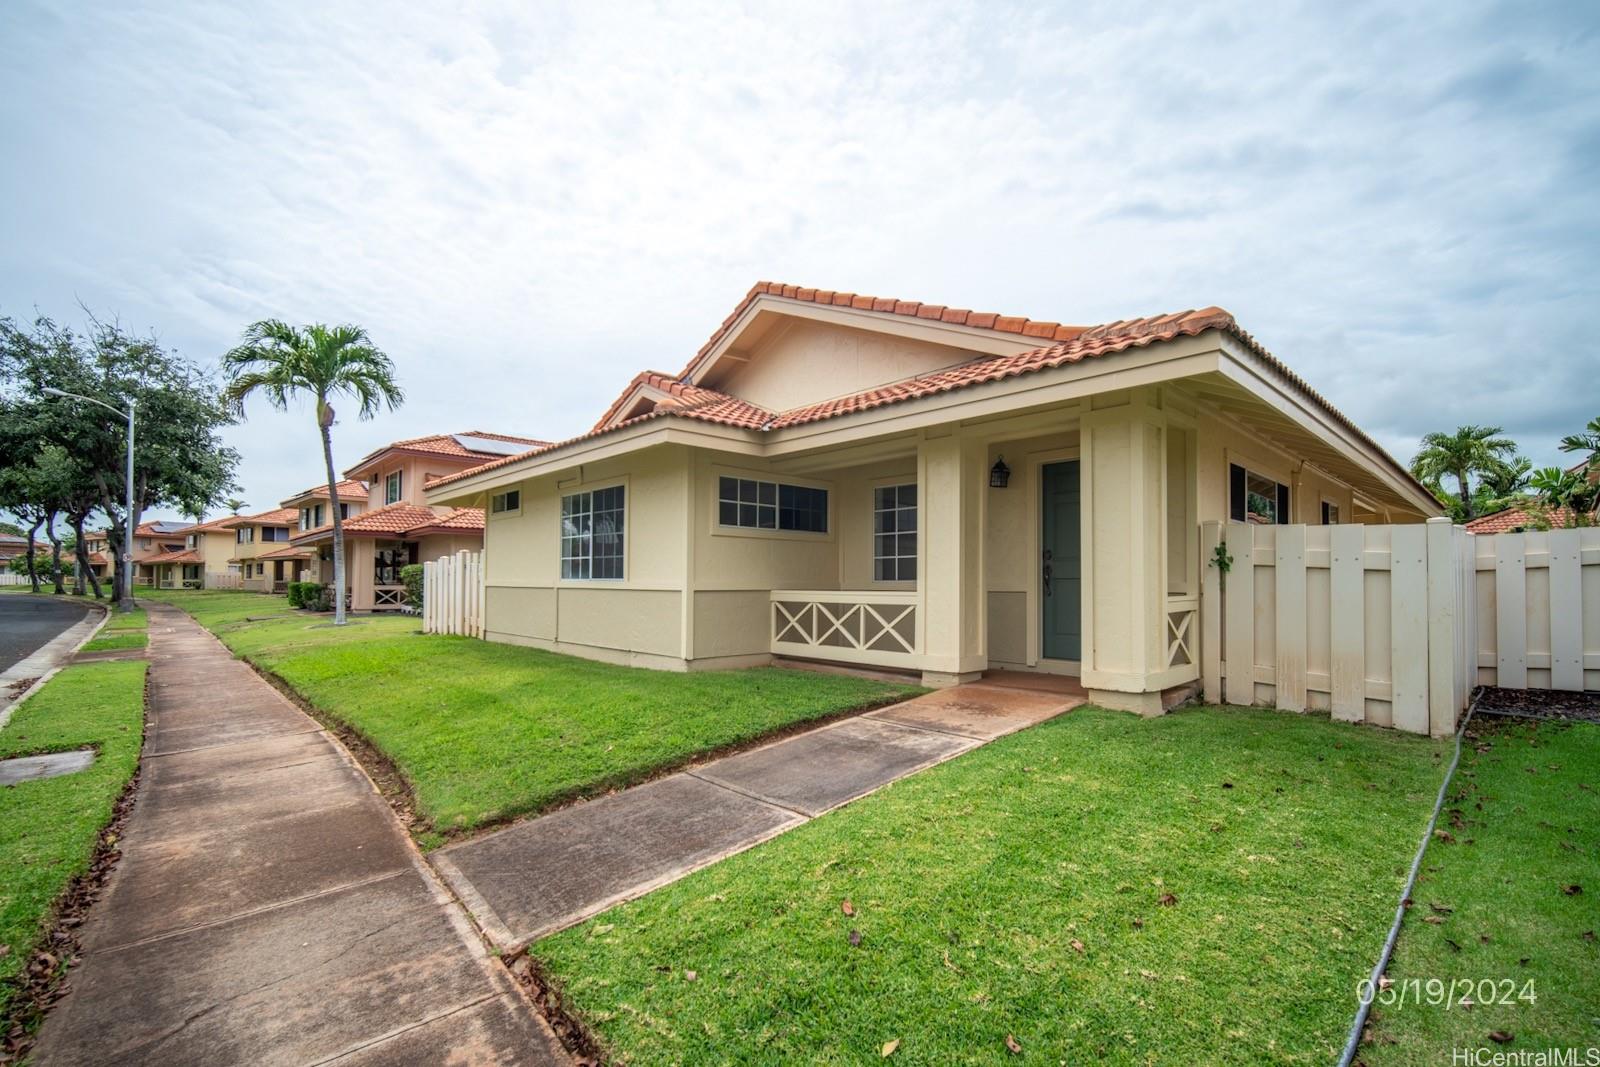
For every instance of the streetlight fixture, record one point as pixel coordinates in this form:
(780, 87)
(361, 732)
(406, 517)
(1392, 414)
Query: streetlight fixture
(126, 603)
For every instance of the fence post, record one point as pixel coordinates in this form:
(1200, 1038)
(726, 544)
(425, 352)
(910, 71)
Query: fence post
(1240, 605)
(1211, 595)
(1444, 619)
(1289, 582)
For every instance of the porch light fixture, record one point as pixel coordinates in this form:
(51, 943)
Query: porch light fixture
(999, 474)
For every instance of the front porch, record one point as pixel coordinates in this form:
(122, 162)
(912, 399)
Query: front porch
(1063, 542)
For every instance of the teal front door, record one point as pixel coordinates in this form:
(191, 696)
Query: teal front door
(1060, 574)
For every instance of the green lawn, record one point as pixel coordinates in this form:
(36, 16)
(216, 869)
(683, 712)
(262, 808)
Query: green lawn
(1524, 818)
(484, 732)
(115, 640)
(1018, 890)
(130, 620)
(48, 828)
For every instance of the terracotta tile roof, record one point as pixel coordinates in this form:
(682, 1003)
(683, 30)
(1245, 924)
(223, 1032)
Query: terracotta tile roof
(162, 528)
(444, 444)
(191, 556)
(1514, 519)
(1068, 344)
(348, 489)
(98, 559)
(287, 552)
(160, 555)
(402, 518)
(983, 320)
(225, 523)
(275, 517)
(689, 400)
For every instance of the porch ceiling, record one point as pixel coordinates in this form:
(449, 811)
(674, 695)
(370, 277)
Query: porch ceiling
(1267, 422)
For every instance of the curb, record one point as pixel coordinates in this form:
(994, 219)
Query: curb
(9, 705)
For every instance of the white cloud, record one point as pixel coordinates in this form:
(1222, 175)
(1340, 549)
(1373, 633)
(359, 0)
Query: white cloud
(527, 205)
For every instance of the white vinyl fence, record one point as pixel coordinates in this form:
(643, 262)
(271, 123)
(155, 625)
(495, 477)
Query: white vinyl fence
(1394, 625)
(216, 580)
(452, 595)
(7, 578)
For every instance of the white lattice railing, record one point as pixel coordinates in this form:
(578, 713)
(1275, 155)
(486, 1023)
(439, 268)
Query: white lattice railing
(1183, 632)
(388, 596)
(846, 625)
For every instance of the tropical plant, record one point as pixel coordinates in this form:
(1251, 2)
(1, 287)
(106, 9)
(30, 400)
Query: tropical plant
(234, 504)
(1587, 441)
(1469, 451)
(1568, 496)
(281, 361)
(1502, 484)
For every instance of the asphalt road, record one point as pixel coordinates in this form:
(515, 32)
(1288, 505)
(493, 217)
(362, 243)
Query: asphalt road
(26, 623)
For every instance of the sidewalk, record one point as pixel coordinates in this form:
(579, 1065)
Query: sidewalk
(267, 908)
(545, 874)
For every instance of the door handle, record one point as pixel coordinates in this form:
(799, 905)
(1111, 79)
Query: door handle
(1047, 573)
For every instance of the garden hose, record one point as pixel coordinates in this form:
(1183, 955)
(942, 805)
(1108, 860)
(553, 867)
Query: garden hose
(1365, 1009)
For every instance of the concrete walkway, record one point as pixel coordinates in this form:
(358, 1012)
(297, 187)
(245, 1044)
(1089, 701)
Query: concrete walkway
(268, 908)
(545, 874)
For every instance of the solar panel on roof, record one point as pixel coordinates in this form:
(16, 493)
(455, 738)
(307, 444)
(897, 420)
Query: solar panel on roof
(490, 445)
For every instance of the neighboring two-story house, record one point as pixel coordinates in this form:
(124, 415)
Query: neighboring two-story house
(262, 550)
(398, 526)
(315, 507)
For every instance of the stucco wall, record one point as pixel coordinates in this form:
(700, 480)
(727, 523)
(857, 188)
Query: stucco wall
(1221, 442)
(810, 361)
(526, 600)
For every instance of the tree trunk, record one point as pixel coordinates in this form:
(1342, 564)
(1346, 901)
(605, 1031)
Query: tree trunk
(1466, 498)
(117, 543)
(33, 571)
(55, 553)
(325, 423)
(85, 568)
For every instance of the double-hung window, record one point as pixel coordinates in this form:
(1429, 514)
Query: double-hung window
(391, 488)
(894, 533)
(592, 532)
(756, 505)
(1256, 498)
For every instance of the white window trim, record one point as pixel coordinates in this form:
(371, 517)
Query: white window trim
(714, 510)
(401, 491)
(888, 584)
(1252, 465)
(627, 533)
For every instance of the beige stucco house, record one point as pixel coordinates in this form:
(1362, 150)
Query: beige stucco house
(394, 525)
(262, 552)
(156, 544)
(877, 482)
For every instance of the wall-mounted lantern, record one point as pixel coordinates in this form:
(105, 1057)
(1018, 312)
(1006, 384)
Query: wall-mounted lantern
(999, 474)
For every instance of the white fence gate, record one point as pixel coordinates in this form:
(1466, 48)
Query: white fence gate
(1394, 625)
(452, 595)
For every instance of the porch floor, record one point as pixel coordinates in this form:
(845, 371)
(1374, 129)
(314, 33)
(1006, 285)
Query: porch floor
(545, 874)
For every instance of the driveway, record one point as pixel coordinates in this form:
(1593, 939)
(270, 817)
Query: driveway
(29, 623)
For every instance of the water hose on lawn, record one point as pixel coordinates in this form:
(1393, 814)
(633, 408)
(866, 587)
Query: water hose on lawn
(1354, 1040)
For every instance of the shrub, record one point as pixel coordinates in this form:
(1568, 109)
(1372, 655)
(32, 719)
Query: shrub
(318, 597)
(411, 575)
(297, 594)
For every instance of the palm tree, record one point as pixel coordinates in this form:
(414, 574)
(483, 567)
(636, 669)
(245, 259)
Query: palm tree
(1470, 450)
(1571, 490)
(283, 361)
(234, 504)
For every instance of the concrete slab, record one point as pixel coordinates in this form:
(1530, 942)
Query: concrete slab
(170, 880)
(33, 768)
(268, 908)
(548, 873)
(491, 1031)
(980, 711)
(816, 771)
(254, 990)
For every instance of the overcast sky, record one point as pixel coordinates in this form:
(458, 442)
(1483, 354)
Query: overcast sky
(526, 204)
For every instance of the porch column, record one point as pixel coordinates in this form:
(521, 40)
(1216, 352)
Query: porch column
(1124, 552)
(951, 478)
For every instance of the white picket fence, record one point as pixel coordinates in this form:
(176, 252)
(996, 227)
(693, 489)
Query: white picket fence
(7, 578)
(452, 594)
(1394, 625)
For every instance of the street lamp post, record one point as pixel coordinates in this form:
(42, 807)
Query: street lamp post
(126, 604)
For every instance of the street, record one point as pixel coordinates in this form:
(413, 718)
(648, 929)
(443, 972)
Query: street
(28, 623)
